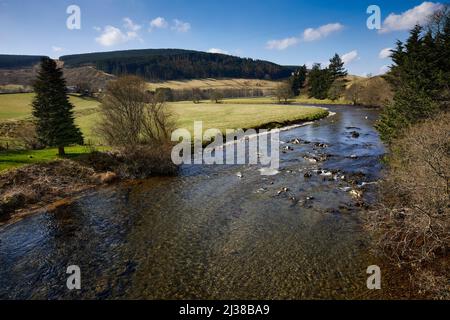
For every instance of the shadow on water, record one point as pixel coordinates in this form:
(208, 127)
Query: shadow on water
(210, 234)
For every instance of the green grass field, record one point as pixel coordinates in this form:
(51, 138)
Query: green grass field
(17, 106)
(16, 159)
(239, 115)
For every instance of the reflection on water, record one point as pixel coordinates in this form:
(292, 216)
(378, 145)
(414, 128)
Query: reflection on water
(210, 234)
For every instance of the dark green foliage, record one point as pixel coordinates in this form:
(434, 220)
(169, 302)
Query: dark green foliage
(173, 64)
(420, 78)
(336, 68)
(319, 82)
(298, 79)
(51, 107)
(17, 62)
(328, 82)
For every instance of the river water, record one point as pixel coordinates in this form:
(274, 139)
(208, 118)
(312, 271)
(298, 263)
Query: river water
(210, 234)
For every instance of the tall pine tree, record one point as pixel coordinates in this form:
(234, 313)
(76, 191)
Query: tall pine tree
(336, 68)
(52, 109)
(420, 78)
(298, 79)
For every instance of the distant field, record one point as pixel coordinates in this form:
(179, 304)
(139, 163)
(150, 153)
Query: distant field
(273, 100)
(220, 116)
(218, 84)
(228, 116)
(18, 106)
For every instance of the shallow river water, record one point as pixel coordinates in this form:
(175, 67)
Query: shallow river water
(209, 234)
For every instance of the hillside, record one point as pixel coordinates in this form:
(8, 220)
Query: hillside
(74, 76)
(216, 84)
(177, 64)
(8, 61)
(373, 91)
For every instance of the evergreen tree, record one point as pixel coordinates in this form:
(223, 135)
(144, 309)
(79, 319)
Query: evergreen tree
(336, 68)
(298, 79)
(319, 82)
(51, 107)
(420, 78)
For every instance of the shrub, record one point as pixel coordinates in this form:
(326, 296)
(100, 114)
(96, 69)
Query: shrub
(412, 224)
(138, 125)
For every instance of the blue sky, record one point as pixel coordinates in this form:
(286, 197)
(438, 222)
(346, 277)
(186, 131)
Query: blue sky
(289, 32)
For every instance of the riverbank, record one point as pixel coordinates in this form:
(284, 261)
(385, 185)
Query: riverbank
(33, 179)
(37, 185)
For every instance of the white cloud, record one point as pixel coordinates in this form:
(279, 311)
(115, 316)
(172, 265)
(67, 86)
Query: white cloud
(181, 26)
(132, 29)
(57, 49)
(111, 36)
(384, 69)
(385, 53)
(158, 23)
(217, 50)
(409, 18)
(130, 25)
(312, 34)
(350, 57)
(308, 35)
(282, 44)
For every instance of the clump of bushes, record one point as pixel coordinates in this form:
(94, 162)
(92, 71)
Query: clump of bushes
(138, 125)
(412, 224)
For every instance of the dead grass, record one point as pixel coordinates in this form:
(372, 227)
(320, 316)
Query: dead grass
(412, 225)
(42, 184)
(215, 84)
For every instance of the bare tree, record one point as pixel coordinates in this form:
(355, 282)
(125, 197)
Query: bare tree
(284, 92)
(130, 117)
(196, 95)
(216, 96)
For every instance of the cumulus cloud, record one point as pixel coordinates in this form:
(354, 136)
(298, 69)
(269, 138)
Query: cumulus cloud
(158, 23)
(111, 36)
(181, 26)
(409, 18)
(312, 34)
(130, 25)
(350, 57)
(57, 49)
(282, 44)
(308, 35)
(217, 50)
(385, 53)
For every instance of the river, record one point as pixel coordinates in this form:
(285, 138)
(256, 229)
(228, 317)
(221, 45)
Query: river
(210, 234)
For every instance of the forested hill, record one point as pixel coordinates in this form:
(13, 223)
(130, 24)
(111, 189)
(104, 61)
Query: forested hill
(18, 62)
(177, 64)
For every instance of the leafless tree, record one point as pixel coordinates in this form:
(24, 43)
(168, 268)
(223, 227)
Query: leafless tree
(284, 92)
(130, 117)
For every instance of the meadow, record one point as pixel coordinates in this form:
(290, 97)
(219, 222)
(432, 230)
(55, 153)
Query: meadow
(231, 114)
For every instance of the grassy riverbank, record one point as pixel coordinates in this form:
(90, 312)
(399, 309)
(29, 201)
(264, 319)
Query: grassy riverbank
(16, 108)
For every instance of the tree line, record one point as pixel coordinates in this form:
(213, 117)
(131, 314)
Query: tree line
(319, 83)
(176, 64)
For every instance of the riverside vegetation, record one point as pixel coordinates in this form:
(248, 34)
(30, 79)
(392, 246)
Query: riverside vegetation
(412, 223)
